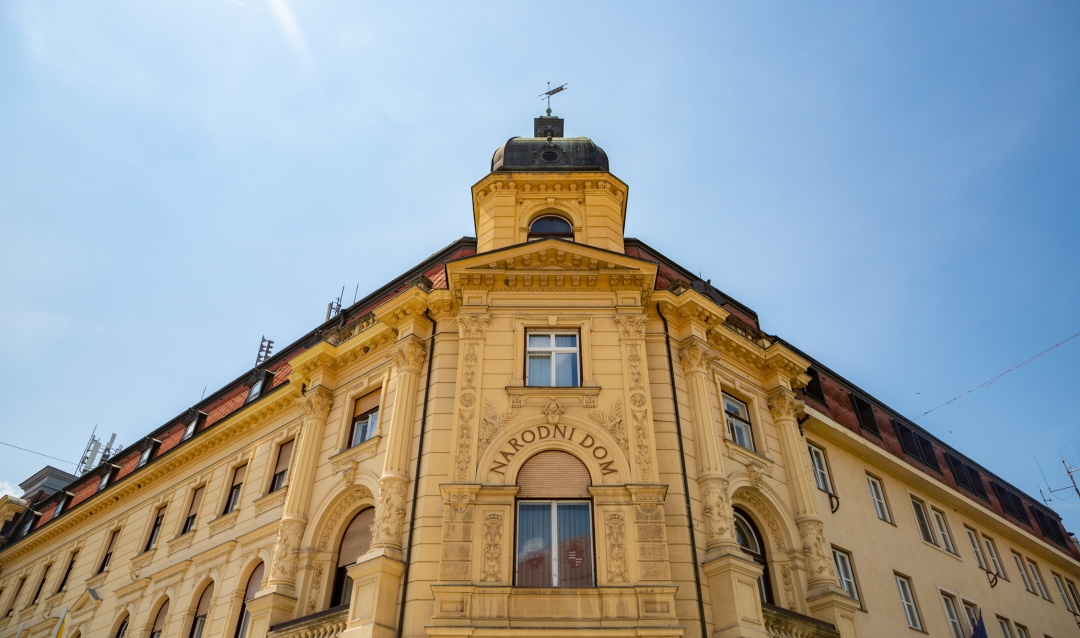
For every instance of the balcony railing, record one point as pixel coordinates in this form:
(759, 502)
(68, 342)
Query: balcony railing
(781, 623)
(323, 624)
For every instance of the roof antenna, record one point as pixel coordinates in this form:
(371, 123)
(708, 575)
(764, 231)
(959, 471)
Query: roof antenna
(356, 292)
(333, 308)
(551, 91)
(265, 348)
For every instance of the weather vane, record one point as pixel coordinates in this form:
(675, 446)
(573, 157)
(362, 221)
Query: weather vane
(547, 95)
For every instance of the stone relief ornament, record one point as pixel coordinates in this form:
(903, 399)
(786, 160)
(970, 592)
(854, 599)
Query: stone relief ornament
(641, 444)
(637, 400)
(633, 357)
(783, 404)
(759, 508)
(473, 326)
(315, 588)
(390, 512)
(493, 531)
(317, 403)
(718, 512)
(464, 444)
(411, 355)
(492, 422)
(789, 588)
(815, 549)
(467, 399)
(694, 358)
(468, 373)
(631, 326)
(613, 423)
(616, 547)
(346, 505)
(287, 550)
(553, 411)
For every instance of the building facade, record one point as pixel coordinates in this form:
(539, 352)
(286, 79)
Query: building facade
(545, 430)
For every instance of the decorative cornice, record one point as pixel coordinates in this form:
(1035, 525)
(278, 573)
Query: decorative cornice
(692, 308)
(408, 306)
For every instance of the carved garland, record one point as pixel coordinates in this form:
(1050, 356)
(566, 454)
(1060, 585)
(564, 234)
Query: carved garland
(493, 526)
(616, 547)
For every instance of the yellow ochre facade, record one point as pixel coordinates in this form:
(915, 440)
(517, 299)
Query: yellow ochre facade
(548, 430)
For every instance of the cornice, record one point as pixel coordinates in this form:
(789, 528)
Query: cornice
(241, 422)
(691, 308)
(541, 185)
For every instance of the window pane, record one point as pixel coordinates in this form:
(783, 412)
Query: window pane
(539, 341)
(565, 341)
(566, 370)
(736, 407)
(534, 545)
(575, 545)
(540, 370)
(953, 618)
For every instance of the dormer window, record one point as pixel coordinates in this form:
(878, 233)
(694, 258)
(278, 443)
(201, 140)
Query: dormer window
(551, 226)
(258, 386)
(195, 419)
(148, 450)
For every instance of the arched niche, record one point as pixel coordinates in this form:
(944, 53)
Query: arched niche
(323, 534)
(508, 451)
(780, 535)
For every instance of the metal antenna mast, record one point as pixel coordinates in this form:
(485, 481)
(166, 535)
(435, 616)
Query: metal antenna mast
(551, 91)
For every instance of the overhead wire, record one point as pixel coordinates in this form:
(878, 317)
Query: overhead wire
(38, 453)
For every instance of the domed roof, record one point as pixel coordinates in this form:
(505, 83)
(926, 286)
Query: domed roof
(549, 151)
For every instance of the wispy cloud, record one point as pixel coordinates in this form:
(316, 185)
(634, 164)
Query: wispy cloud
(9, 488)
(284, 15)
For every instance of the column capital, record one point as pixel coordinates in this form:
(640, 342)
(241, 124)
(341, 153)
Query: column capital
(316, 403)
(409, 354)
(473, 325)
(631, 326)
(695, 356)
(783, 404)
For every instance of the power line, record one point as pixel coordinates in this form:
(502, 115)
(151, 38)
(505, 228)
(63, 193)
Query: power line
(998, 377)
(38, 453)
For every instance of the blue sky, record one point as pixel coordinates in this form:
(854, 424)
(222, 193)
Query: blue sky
(892, 186)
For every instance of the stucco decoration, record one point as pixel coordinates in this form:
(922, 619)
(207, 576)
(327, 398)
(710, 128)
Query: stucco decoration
(612, 422)
(615, 526)
(783, 404)
(287, 551)
(631, 326)
(718, 512)
(694, 358)
(492, 421)
(464, 444)
(816, 550)
(763, 512)
(472, 326)
(389, 513)
(493, 532)
(333, 521)
(410, 355)
(315, 588)
(641, 437)
(553, 411)
(316, 403)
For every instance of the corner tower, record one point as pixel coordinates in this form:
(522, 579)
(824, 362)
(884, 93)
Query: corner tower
(563, 179)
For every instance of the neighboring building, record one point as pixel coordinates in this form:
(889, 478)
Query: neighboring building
(496, 430)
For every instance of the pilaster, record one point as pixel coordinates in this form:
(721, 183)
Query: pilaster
(471, 330)
(268, 610)
(456, 555)
(373, 606)
(638, 397)
(736, 599)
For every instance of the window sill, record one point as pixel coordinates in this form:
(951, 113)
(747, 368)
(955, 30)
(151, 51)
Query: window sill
(224, 522)
(746, 456)
(271, 500)
(182, 541)
(97, 580)
(522, 395)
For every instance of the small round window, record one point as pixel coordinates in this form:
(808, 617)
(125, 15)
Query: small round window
(550, 226)
(550, 157)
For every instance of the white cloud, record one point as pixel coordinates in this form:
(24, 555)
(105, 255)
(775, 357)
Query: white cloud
(9, 488)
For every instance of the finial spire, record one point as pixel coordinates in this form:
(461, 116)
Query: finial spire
(551, 91)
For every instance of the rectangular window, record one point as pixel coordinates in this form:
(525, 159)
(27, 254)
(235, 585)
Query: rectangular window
(943, 530)
(233, 500)
(258, 386)
(365, 418)
(813, 387)
(41, 585)
(15, 597)
(1072, 590)
(1003, 623)
(916, 444)
(907, 598)
(975, 549)
(193, 510)
(144, 457)
(738, 421)
(1064, 594)
(1049, 526)
(552, 360)
(1021, 631)
(1023, 572)
(61, 504)
(281, 470)
(821, 468)
(106, 476)
(877, 494)
(951, 614)
(159, 518)
(924, 523)
(1037, 580)
(1011, 503)
(865, 413)
(554, 546)
(991, 553)
(966, 476)
(193, 425)
(109, 551)
(67, 573)
(972, 613)
(847, 575)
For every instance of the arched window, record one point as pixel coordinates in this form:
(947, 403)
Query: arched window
(550, 226)
(355, 542)
(253, 584)
(749, 539)
(202, 611)
(159, 620)
(554, 544)
(121, 631)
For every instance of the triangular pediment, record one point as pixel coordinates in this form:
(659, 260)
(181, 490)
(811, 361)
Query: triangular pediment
(88, 601)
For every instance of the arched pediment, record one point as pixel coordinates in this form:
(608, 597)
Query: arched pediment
(595, 448)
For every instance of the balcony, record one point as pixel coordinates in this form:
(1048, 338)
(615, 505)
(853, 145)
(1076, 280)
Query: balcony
(323, 624)
(781, 623)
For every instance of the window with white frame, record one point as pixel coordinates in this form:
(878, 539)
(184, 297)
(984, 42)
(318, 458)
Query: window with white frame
(952, 615)
(821, 469)
(1072, 590)
(1037, 580)
(1023, 572)
(738, 422)
(1022, 631)
(991, 553)
(847, 574)
(877, 494)
(943, 530)
(975, 549)
(552, 359)
(907, 599)
(1064, 594)
(1003, 623)
(365, 419)
(972, 613)
(924, 523)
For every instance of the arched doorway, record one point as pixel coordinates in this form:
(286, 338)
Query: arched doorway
(750, 540)
(355, 542)
(554, 540)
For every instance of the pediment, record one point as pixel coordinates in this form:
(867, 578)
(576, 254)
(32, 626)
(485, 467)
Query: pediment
(88, 601)
(552, 264)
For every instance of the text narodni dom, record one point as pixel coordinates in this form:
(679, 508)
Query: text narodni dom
(546, 432)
